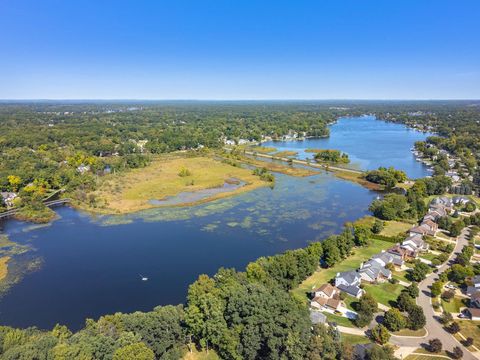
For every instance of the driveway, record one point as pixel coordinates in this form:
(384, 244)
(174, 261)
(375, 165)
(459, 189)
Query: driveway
(434, 328)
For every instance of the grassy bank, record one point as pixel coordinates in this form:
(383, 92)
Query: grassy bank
(168, 176)
(279, 167)
(4, 267)
(39, 213)
(356, 178)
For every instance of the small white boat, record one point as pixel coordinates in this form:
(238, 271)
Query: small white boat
(144, 278)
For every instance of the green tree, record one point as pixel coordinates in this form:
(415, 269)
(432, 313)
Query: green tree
(394, 320)
(137, 351)
(380, 334)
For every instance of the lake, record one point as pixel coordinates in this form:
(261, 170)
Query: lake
(93, 265)
(369, 143)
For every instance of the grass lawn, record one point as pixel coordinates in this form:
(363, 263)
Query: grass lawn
(400, 275)
(471, 329)
(340, 320)
(133, 190)
(428, 256)
(385, 293)
(393, 228)
(354, 339)
(349, 300)
(454, 305)
(322, 276)
(407, 332)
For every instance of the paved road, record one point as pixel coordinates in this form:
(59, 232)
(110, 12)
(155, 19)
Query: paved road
(434, 328)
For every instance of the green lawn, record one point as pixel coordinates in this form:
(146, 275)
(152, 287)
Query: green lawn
(454, 305)
(400, 275)
(393, 228)
(471, 329)
(385, 293)
(354, 339)
(340, 320)
(349, 300)
(428, 256)
(323, 276)
(407, 332)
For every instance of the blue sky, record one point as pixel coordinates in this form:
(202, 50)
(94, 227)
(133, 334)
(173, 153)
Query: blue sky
(359, 49)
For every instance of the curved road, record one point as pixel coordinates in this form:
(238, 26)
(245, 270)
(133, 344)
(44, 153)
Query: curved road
(434, 328)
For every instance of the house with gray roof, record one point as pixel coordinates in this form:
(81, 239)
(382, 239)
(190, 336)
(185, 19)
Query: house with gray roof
(353, 290)
(372, 271)
(347, 278)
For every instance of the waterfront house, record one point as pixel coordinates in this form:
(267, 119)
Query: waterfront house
(8, 197)
(444, 201)
(420, 230)
(460, 200)
(82, 169)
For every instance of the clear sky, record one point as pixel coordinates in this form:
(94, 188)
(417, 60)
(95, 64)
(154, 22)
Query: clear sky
(225, 49)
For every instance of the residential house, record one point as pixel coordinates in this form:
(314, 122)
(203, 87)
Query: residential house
(431, 226)
(8, 197)
(332, 304)
(403, 253)
(475, 299)
(414, 243)
(326, 291)
(353, 290)
(349, 282)
(386, 257)
(440, 210)
(82, 169)
(347, 278)
(372, 271)
(460, 200)
(474, 313)
(444, 201)
(420, 230)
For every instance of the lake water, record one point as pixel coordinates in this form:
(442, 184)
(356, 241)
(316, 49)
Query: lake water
(369, 143)
(93, 266)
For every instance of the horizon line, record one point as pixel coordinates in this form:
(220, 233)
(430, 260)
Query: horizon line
(245, 99)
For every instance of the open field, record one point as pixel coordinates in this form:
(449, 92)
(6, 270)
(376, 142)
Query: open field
(322, 276)
(393, 228)
(384, 293)
(3, 267)
(133, 190)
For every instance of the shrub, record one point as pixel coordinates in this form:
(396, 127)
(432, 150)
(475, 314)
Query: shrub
(184, 172)
(457, 353)
(435, 345)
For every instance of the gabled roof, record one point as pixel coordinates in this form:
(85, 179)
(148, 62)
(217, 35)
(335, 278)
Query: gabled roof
(475, 296)
(328, 289)
(351, 289)
(373, 269)
(349, 276)
(474, 312)
(476, 279)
